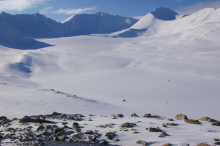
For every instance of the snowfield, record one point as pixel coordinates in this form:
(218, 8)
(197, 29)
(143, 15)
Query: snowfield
(171, 68)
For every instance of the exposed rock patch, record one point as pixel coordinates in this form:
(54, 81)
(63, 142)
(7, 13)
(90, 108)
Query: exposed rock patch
(202, 144)
(167, 144)
(191, 121)
(216, 124)
(144, 143)
(169, 124)
(180, 117)
(128, 125)
(134, 115)
(164, 134)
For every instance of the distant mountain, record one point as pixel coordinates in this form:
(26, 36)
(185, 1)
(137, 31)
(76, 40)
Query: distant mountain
(14, 38)
(163, 21)
(98, 23)
(16, 30)
(39, 26)
(34, 25)
(149, 20)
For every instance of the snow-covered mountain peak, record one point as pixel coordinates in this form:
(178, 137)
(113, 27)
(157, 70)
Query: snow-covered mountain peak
(164, 13)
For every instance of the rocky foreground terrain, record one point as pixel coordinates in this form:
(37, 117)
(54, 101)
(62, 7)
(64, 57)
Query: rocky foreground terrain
(77, 129)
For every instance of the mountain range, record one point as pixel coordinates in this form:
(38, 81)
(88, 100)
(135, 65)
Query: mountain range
(20, 29)
(38, 26)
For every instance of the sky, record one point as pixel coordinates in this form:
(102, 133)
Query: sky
(60, 10)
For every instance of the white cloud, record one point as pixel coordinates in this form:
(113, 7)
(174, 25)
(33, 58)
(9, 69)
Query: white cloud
(73, 11)
(196, 7)
(19, 5)
(46, 10)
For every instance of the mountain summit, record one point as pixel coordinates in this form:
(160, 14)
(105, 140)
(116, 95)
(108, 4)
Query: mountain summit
(164, 13)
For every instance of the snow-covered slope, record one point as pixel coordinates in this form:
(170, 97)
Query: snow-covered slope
(200, 18)
(154, 24)
(149, 21)
(98, 23)
(13, 38)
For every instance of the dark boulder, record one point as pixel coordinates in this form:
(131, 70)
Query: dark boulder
(144, 143)
(180, 117)
(56, 130)
(169, 124)
(120, 116)
(202, 144)
(147, 115)
(191, 121)
(54, 114)
(155, 129)
(167, 144)
(164, 134)
(89, 132)
(40, 128)
(216, 124)
(27, 119)
(128, 125)
(134, 115)
(110, 135)
(3, 118)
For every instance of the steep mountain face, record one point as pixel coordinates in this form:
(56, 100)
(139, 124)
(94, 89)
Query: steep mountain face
(164, 13)
(35, 25)
(14, 38)
(98, 23)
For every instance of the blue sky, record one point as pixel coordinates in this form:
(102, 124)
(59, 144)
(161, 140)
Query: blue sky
(60, 10)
